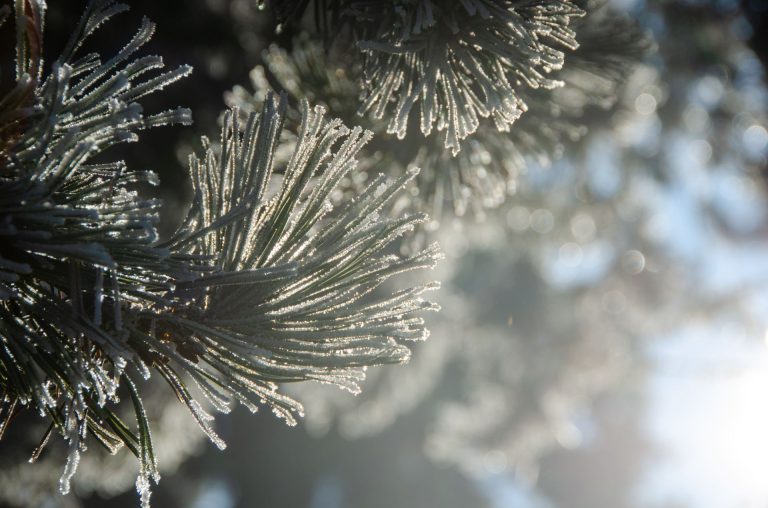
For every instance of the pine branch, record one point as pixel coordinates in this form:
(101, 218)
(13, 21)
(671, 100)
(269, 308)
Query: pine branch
(490, 164)
(294, 294)
(258, 287)
(462, 62)
(459, 61)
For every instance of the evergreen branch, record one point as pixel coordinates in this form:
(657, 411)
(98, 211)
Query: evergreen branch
(258, 286)
(490, 164)
(305, 317)
(458, 61)
(462, 61)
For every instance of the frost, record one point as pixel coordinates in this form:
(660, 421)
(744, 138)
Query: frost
(204, 420)
(143, 487)
(73, 460)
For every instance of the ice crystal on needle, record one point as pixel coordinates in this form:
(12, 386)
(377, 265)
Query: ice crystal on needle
(256, 288)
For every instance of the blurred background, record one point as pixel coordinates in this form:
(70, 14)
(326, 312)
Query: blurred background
(604, 335)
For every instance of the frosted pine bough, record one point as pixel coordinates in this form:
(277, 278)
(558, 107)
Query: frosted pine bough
(462, 61)
(459, 61)
(266, 281)
(492, 165)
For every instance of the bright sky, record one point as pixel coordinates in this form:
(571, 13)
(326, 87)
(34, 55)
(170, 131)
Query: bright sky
(708, 410)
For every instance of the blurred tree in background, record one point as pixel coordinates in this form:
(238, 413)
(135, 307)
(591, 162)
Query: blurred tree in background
(593, 172)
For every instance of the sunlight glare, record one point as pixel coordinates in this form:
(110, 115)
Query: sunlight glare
(741, 446)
